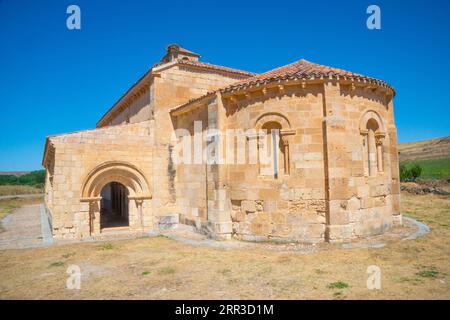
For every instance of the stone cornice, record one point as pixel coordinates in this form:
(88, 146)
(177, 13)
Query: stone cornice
(280, 86)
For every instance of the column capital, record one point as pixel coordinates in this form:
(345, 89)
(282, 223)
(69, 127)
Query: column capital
(91, 199)
(285, 140)
(364, 132)
(379, 138)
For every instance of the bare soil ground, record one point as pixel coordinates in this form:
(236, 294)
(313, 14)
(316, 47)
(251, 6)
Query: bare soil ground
(162, 268)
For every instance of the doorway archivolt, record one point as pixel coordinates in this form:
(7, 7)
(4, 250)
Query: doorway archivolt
(135, 190)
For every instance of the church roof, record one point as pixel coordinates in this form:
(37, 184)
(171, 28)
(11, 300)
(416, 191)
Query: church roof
(116, 108)
(302, 70)
(298, 70)
(207, 65)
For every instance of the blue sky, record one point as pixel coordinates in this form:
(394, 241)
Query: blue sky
(54, 80)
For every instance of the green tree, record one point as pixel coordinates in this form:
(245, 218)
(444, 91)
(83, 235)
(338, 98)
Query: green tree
(34, 178)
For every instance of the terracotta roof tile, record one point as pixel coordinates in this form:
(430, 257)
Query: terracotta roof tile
(301, 69)
(214, 67)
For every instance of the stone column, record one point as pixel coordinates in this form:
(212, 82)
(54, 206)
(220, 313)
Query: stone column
(338, 189)
(219, 222)
(286, 154)
(393, 155)
(379, 143)
(285, 137)
(141, 215)
(139, 203)
(94, 215)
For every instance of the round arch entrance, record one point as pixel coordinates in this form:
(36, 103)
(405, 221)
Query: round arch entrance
(116, 193)
(114, 206)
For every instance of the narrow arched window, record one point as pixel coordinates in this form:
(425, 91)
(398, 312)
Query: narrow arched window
(273, 152)
(372, 148)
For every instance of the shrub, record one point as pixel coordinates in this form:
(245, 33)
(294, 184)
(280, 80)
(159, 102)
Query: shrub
(415, 171)
(404, 173)
(410, 174)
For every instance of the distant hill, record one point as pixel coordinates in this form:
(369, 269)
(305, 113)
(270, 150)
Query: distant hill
(13, 173)
(425, 149)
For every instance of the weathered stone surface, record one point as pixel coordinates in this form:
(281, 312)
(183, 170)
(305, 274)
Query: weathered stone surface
(335, 177)
(169, 221)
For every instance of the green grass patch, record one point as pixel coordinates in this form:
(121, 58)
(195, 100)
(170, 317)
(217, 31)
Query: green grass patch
(338, 295)
(57, 264)
(431, 169)
(145, 273)
(428, 273)
(338, 285)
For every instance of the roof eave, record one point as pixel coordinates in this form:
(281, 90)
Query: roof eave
(194, 104)
(130, 91)
(237, 88)
(158, 68)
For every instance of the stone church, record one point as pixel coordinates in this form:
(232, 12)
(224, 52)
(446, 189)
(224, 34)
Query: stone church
(332, 173)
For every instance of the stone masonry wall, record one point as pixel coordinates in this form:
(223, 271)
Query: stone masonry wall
(174, 86)
(292, 206)
(190, 178)
(360, 204)
(76, 155)
(327, 193)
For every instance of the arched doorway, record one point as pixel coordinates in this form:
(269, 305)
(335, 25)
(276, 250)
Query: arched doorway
(125, 183)
(114, 206)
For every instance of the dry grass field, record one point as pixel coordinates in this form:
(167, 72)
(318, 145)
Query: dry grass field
(161, 268)
(7, 190)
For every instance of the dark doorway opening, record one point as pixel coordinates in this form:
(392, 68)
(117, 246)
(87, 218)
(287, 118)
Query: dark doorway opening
(114, 206)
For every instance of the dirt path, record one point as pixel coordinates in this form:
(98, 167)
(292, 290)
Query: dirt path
(26, 227)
